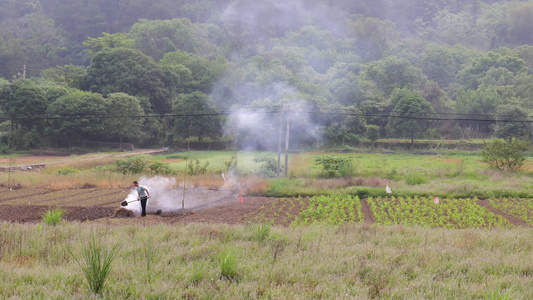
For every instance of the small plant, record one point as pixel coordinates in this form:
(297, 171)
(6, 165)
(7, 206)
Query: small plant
(194, 168)
(228, 264)
(96, 264)
(67, 170)
(53, 217)
(261, 232)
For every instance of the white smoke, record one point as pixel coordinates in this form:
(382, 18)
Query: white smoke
(167, 196)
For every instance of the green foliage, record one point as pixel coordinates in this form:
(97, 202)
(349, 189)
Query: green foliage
(53, 217)
(332, 210)
(505, 128)
(195, 168)
(231, 164)
(23, 100)
(372, 133)
(67, 170)
(122, 70)
(83, 110)
(415, 178)
(141, 164)
(106, 42)
(407, 118)
(228, 263)
(261, 231)
(505, 155)
(208, 126)
(268, 166)
(68, 75)
(96, 264)
(334, 166)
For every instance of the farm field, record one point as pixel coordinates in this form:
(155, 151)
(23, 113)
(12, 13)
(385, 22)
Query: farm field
(335, 245)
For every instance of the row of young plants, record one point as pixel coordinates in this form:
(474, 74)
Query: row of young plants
(332, 210)
(518, 208)
(423, 211)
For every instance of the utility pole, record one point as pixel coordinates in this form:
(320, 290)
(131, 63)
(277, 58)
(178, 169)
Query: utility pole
(280, 135)
(287, 144)
(24, 72)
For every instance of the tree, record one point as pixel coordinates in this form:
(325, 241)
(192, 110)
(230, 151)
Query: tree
(409, 117)
(372, 133)
(512, 122)
(22, 102)
(200, 117)
(78, 115)
(505, 155)
(69, 75)
(107, 41)
(124, 112)
(196, 73)
(122, 70)
(157, 37)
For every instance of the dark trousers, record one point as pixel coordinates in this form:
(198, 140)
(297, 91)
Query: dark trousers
(143, 205)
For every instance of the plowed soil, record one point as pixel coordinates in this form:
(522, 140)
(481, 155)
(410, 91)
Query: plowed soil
(227, 210)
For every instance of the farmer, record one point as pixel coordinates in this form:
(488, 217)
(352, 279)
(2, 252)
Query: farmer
(144, 193)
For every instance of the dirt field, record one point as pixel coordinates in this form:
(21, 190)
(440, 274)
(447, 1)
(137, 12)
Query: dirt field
(201, 206)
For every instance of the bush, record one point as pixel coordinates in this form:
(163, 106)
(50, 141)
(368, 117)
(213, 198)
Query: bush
(505, 155)
(67, 170)
(268, 166)
(141, 164)
(53, 217)
(334, 166)
(194, 167)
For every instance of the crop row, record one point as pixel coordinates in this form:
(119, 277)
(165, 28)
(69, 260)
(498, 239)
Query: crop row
(22, 193)
(333, 210)
(518, 208)
(80, 197)
(448, 213)
(281, 211)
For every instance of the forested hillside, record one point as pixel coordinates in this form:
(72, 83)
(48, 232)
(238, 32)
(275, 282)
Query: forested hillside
(157, 72)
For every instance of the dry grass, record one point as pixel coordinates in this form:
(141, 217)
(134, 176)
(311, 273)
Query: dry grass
(349, 262)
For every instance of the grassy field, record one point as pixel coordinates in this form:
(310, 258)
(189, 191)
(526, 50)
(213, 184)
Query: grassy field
(316, 262)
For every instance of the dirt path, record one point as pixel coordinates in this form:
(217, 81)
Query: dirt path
(513, 220)
(367, 213)
(36, 161)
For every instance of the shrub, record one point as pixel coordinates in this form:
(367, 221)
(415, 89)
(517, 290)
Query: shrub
(333, 166)
(140, 164)
(268, 166)
(67, 170)
(53, 217)
(96, 264)
(505, 155)
(194, 167)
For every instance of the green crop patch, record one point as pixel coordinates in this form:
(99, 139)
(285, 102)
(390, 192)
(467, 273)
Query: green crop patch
(447, 213)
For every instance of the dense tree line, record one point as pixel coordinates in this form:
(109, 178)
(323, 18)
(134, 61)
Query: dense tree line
(159, 71)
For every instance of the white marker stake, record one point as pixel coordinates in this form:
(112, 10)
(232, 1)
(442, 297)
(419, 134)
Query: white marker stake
(436, 200)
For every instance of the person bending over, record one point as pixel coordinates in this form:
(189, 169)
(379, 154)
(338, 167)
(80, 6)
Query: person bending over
(144, 193)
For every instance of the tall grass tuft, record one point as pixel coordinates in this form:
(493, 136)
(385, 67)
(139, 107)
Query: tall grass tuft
(53, 217)
(96, 264)
(228, 264)
(261, 232)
